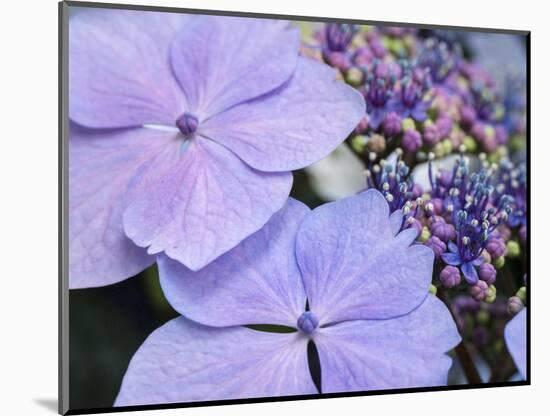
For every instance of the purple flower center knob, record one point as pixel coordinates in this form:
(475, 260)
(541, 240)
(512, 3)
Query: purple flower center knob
(187, 123)
(308, 322)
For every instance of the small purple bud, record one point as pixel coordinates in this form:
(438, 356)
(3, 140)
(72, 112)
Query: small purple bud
(450, 276)
(417, 191)
(515, 305)
(363, 56)
(468, 115)
(392, 124)
(187, 123)
(362, 126)
(446, 178)
(479, 290)
(377, 47)
(496, 247)
(444, 125)
(412, 141)
(490, 144)
(431, 134)
(339, 60)
(501, 135)
(437, 204)
(437, 246)
(487, 273)
(478, 131)
(442, 230)
(307, 322)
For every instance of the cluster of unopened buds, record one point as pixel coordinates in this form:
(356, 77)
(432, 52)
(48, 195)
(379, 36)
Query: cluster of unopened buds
(461, 217)
(422, 94)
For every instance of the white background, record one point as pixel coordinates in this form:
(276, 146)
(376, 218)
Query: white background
(28, 207)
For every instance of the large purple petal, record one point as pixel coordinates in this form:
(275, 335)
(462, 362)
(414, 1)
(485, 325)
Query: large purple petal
(223, 61)
(198, 200)
(515, 335)
(293, 126)
(119, 69)
(354, 267)
(101, 164)
(408, 351)
(257, 282)
(185, 362)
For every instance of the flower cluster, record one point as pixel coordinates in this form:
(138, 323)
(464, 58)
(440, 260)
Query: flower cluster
(422, 94)
(465, 216)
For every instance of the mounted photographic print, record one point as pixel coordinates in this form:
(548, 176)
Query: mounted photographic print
(265, 208)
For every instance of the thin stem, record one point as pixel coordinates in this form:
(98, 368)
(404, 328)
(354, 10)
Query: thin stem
(461, 349)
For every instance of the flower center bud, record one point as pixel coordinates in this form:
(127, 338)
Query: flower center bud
(187, 123)
(308, 322)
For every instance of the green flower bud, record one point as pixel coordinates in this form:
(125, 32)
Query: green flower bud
(483, 317)
(439, 150)
(359, 143)
(489, 131)
(490, 299)
(500, 153)
(522, 294)
(408, 123)
(427, 123)
(447, 146)
(425, 234)
(433, 290)
(517, 143)
(499, 262)
(470, 144)
(354, 76)
(513, 249)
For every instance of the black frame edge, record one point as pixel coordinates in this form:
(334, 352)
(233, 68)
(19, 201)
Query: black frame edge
(63, 285)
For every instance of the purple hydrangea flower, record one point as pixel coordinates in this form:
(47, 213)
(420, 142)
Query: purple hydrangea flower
(463, 258)
(378, 91)
(410, 98)
(184, 132)
(515, 335)
(371, 318)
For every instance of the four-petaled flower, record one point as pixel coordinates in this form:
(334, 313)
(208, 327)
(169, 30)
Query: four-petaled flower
(467, 264)
(184, 131)
(515, 335)
(370, 316)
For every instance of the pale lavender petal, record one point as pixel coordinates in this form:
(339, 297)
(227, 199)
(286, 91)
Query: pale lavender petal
(354, 267)
(186, 362)
(469, 272)
(101, 164)
(515, 335)
(257, 282)
(293, 126)
(119, 69)
(198, 200)
(408, 351)
(396, 221)
(223, 61)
